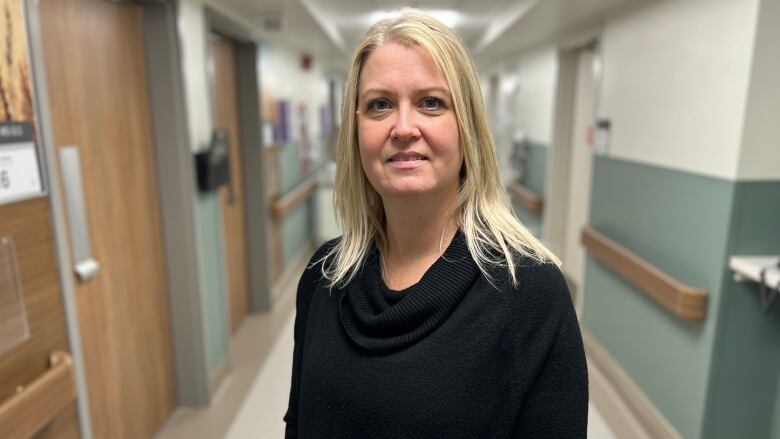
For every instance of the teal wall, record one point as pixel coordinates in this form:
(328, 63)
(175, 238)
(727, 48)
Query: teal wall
(535, 180)
(297, 231)
(776, 421)
(718, 378)
(215, 312)
(537, 167)
(297, 227)
(678, 222)
(743, 398)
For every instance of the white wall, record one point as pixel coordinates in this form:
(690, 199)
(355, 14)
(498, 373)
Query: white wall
(675, 83)
(505, 118)
(537, 75)
(283, 78)
(524, 103)
(760, 155)
(192, 40)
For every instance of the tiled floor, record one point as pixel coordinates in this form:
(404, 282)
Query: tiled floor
(266, 403)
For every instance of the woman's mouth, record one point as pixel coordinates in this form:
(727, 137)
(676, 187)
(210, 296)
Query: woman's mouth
(407, 157)
(407, 160)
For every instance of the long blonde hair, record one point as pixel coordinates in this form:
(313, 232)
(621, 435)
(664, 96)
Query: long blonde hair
(482, 210)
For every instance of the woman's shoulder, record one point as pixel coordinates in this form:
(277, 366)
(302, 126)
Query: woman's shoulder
(312, 274)
(540, 285)
(323, 251)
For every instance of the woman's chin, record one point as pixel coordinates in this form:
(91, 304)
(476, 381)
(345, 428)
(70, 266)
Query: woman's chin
(412, 190)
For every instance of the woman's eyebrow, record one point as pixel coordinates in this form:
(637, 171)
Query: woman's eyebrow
(377, 91)
(425, 90)
(433, 89)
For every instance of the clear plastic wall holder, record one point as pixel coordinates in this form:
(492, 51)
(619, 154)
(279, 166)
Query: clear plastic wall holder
(14, 328)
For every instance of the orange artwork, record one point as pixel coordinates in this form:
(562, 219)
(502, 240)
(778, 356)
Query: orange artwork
(15, 86)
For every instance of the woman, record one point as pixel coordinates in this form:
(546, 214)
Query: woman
(436, 314)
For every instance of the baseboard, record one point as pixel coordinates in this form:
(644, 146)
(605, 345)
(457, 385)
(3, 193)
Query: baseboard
(628, 412)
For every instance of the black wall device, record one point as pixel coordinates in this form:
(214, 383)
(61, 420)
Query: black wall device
(212, 166)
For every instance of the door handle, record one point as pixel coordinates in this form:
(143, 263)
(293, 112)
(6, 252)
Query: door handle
(85, 266)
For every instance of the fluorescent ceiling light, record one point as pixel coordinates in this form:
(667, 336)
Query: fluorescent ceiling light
(447, 16)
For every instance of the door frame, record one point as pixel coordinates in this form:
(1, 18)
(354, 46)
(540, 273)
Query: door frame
(554, 223)
(178, 192)
(48, 157)
(256, 215)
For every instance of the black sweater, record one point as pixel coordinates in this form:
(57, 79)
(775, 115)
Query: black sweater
(449, 357)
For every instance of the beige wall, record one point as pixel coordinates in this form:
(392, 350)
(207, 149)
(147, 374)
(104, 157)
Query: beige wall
(537, 79)
(760, 154)
(192, 40)
(283, 78)
(525, 98)
(675, 83)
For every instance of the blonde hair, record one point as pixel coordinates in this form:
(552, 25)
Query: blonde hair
(482, 211)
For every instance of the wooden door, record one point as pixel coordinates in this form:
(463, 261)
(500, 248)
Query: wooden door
(97, 83)
(225, 92)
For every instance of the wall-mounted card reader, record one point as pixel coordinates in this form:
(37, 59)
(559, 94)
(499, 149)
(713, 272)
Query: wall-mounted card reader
(212, 165)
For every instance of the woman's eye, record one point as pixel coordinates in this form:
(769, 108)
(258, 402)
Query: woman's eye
(432, 103)
(378, 105)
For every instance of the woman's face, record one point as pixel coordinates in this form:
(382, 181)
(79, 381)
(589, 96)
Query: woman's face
(407, 129)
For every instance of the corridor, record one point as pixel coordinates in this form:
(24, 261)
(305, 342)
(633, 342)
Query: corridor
(543, 205)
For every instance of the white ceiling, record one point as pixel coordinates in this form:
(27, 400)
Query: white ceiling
(493, 29)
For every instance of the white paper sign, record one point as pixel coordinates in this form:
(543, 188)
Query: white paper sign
(19, 173)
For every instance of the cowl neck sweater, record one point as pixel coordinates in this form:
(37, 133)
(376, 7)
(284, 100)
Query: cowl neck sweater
(453, 356)
(382, 320)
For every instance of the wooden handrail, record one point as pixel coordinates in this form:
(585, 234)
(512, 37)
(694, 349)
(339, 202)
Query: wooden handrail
(272, 148)
(528, 198)
(684, 301)
(35, 405)
(282, 205)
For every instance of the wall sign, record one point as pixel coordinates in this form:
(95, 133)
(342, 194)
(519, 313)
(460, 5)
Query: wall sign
(20, 175)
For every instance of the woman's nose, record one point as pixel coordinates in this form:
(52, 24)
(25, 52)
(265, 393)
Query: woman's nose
(405, 127)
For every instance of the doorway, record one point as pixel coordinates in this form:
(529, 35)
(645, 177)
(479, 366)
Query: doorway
(224, 91)
(572, 160)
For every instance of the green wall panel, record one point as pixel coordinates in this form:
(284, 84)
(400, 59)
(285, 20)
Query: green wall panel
(746, 363)
(535, 181)
(289, 167)
(776, 421)
(530, 220)
(537, 167)
(297, 231)
(297, 228)
(678, 222)
(215, 313)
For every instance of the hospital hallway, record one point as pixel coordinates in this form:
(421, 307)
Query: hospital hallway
(168, 168)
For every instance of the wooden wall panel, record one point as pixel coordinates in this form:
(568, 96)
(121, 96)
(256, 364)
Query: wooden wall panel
(28, 224)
